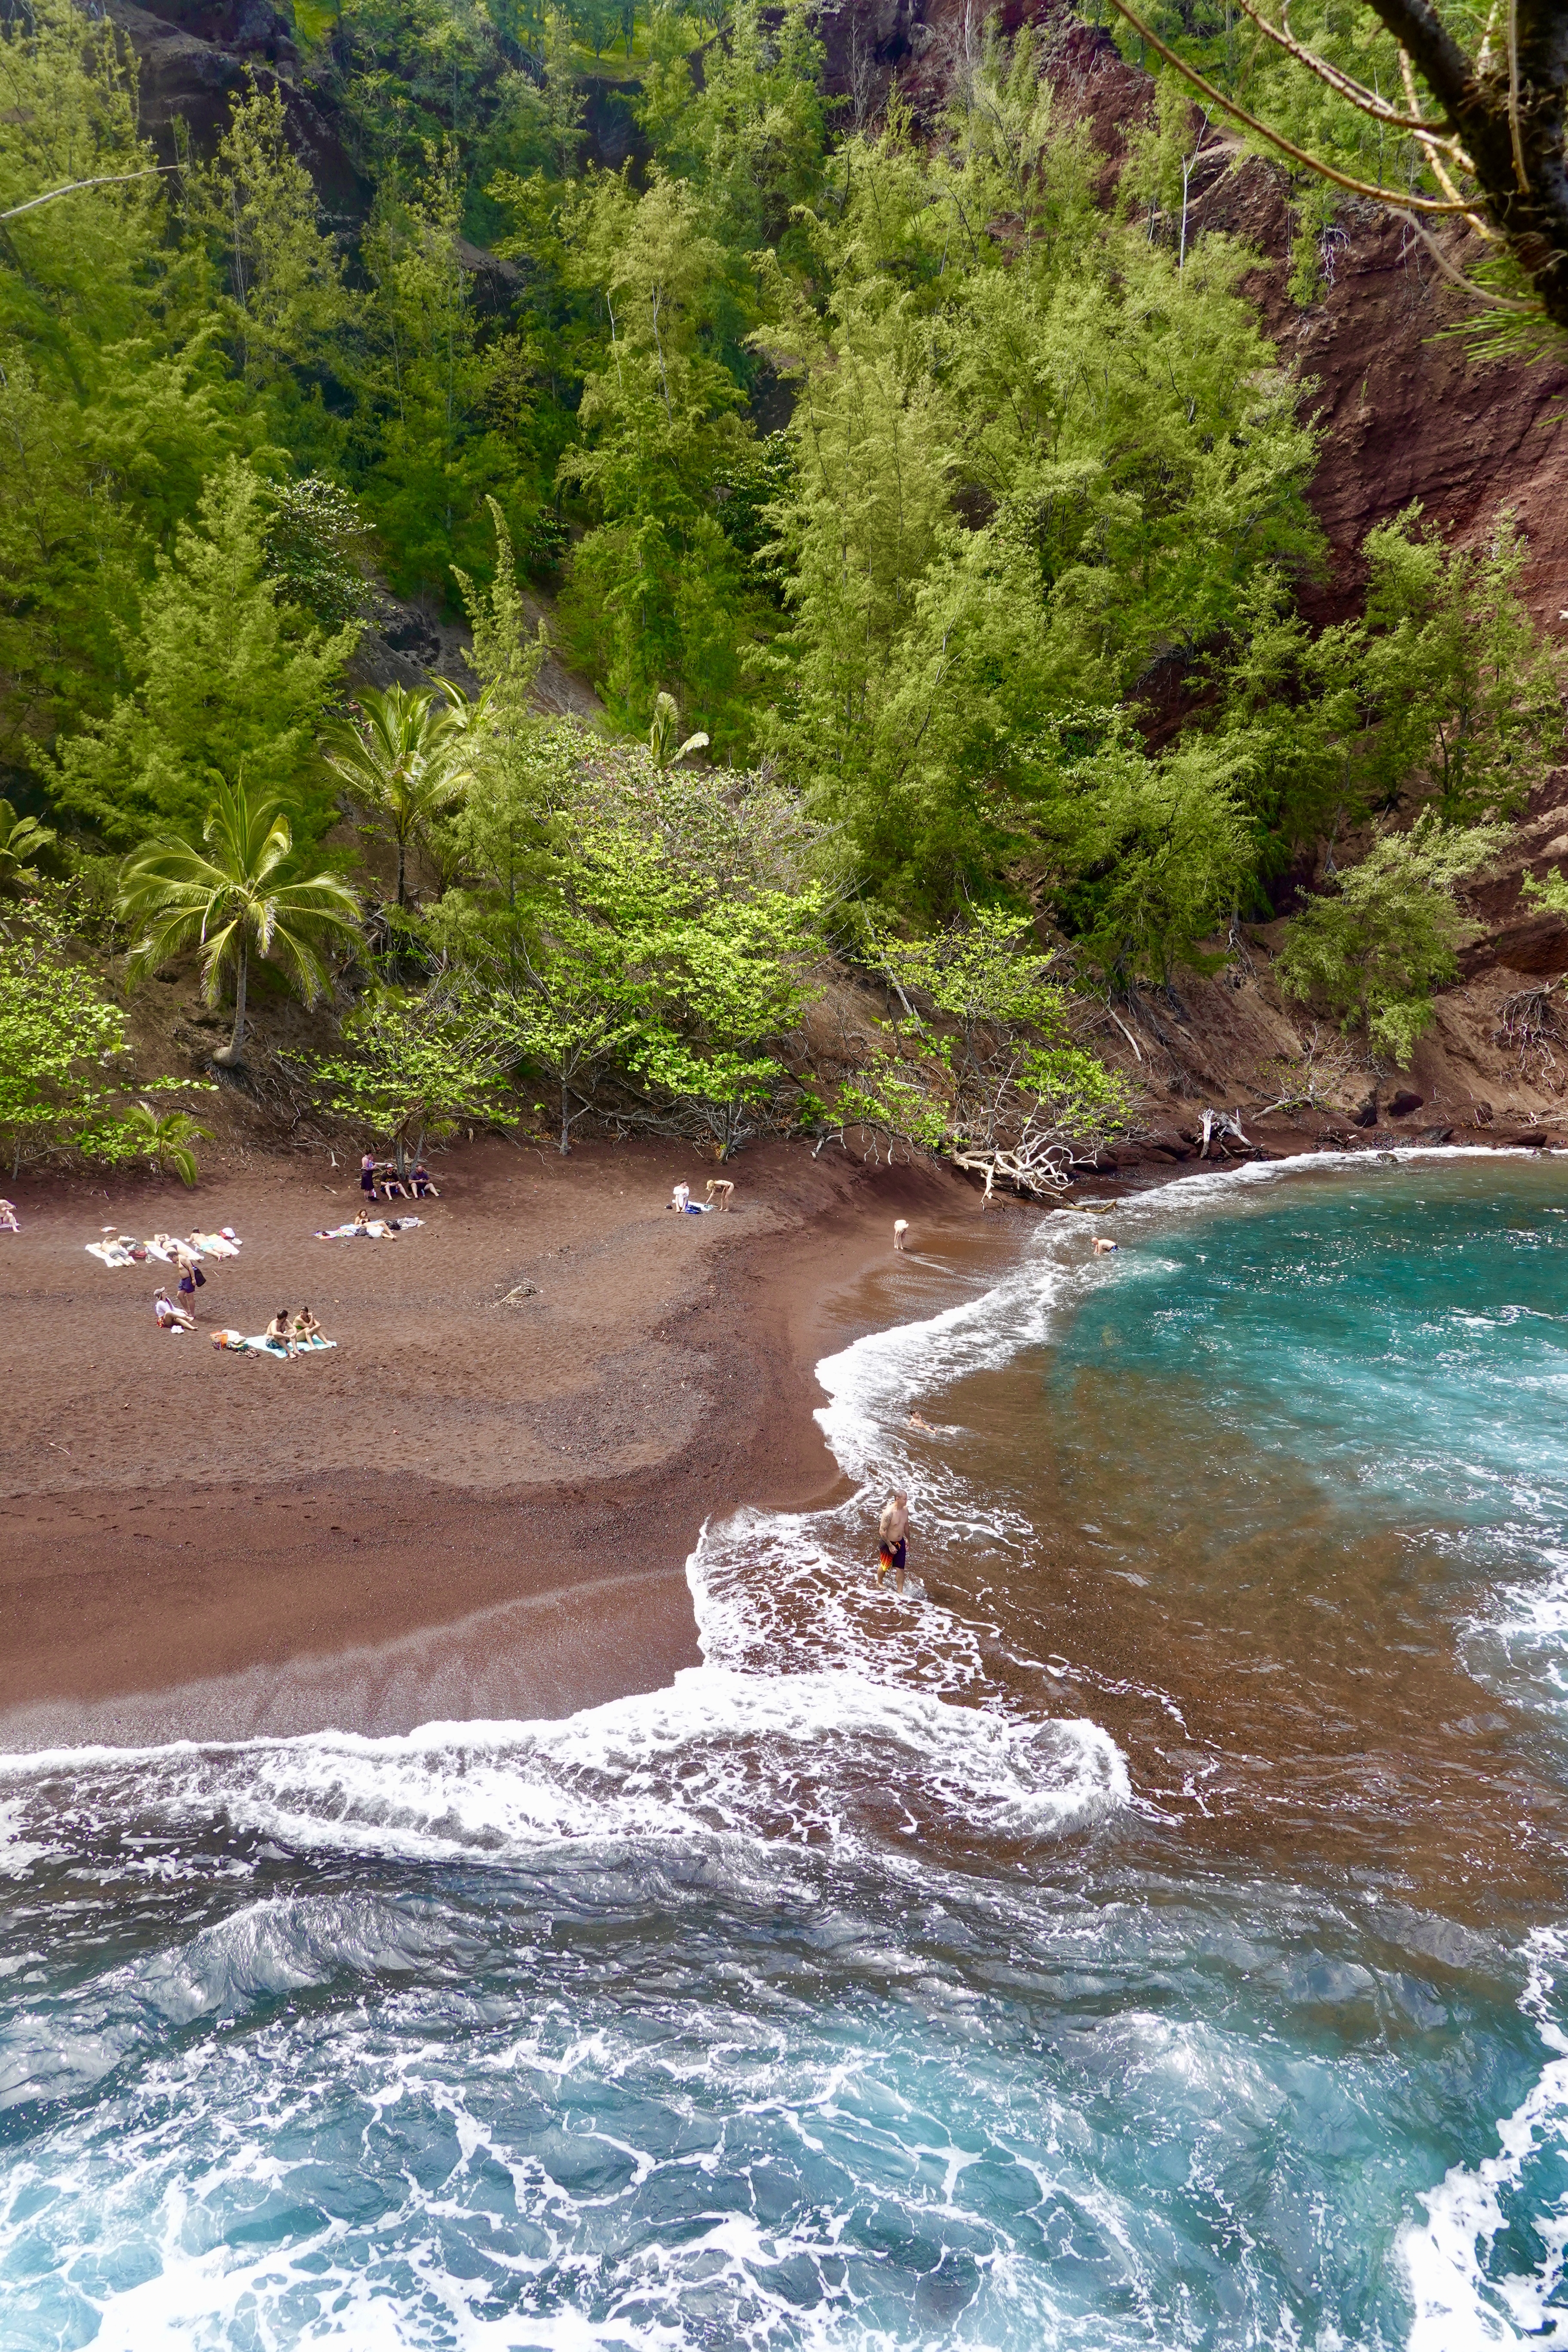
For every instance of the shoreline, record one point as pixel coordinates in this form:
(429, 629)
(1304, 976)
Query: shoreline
(472, 1510)
(282, 1591)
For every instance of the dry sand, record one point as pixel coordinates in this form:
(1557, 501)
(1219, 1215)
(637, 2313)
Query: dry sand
(469, 1510)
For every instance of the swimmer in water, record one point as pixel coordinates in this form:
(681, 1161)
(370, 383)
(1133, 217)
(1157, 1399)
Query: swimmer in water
(893, 1527)
(1104, 1247)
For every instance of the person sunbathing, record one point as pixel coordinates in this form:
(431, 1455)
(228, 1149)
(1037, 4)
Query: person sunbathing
(306, 1330)
(169, 1317)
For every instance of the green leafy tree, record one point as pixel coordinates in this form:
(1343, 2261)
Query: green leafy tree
(992, 1074)
(1469, 698)
(317, 551)
(1376, 947)
(58, 1037)
(287, 302)
(413, 1066)
(246, 892)
(224, 682)
(657, 590)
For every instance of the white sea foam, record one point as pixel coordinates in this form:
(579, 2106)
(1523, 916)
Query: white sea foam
(1465, 2301)
(785, 1756)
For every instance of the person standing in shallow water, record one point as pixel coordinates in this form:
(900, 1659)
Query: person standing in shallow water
(893, 1527)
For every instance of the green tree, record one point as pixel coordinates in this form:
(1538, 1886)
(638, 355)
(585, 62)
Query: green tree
(247, 893)
(225, 682)
(1376, 949)
(21, 838)
(414, 1066)
(58, 1037)
(1467, 696)
(164, 1139)
(405, 758)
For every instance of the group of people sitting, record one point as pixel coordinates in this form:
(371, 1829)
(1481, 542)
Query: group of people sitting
(719, 1190)
(382, 1180)
(285, 1335)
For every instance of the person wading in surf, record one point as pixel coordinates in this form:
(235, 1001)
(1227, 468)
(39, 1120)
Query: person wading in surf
(893, 1527)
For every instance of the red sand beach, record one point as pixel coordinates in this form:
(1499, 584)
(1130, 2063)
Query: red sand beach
(469, 1510)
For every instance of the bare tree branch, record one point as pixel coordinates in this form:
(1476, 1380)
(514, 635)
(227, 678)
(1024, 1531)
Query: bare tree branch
(113, 180)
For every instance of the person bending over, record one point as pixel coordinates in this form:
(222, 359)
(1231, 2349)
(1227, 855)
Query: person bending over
(893, 1527)
(721, 1186)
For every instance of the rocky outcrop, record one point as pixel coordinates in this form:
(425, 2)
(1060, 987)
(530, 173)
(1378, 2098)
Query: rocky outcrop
(195, 62)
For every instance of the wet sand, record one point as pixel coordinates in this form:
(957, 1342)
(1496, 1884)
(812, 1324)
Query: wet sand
(469, 1510)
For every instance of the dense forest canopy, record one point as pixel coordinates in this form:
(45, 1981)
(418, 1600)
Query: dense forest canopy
(894, 462)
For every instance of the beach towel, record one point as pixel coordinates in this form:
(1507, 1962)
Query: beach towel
(379, 1229)
(277, 1349)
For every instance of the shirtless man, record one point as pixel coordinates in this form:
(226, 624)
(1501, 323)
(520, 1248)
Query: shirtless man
(722, 1186)
(893, 1527)
(1104, 1247)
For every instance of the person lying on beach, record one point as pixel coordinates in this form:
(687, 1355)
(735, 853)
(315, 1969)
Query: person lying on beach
(280, 1332)
(169, 1317)
(725, 1189)
(893, 1527)
(424, 1190)
(900, 1227)
(917, 1420)
(1104, 1247)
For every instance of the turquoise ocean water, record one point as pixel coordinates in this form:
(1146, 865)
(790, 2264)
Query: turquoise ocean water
(1151, 1931)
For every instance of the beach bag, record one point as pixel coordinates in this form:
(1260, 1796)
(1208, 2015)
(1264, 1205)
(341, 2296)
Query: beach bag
(198, 1277)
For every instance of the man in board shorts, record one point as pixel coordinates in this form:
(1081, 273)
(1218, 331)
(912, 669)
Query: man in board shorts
(893, 1527)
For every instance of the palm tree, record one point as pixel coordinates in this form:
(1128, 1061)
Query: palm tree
(406, 758)
(21, 838)
(166, 1137)
(243, 893)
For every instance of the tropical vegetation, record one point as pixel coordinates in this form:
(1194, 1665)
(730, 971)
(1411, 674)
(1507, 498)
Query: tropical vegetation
(880, 475)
